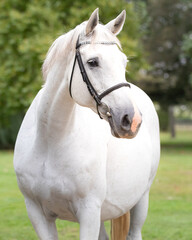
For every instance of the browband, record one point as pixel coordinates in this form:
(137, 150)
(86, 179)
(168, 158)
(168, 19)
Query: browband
(78, 45)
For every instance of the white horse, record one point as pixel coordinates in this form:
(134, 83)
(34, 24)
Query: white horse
(68, 164)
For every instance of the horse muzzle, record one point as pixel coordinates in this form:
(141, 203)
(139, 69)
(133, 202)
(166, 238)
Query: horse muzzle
(124, 123)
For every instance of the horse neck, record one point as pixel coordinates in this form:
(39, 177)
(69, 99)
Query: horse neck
(57, 109)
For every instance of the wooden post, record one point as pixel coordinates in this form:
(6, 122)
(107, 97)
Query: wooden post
(171, 121)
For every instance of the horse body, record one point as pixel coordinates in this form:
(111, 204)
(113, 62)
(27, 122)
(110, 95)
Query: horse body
(50, 171)
(69, 166)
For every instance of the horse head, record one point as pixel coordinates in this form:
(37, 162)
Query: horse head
(99, 81)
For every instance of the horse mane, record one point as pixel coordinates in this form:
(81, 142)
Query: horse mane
(60, 48)
(65, 45)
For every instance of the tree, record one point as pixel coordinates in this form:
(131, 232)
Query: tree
(167, 42)
(164, 41)
(25, 31)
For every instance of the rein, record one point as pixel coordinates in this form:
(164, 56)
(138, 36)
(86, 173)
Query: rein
(97, 97)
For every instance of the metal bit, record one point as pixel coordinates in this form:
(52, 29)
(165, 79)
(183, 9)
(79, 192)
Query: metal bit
(108, 114)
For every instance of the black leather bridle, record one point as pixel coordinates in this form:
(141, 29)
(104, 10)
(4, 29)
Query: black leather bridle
(97, 97)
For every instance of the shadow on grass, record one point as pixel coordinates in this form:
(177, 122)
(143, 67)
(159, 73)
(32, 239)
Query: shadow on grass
(176, 146)
(182, 141)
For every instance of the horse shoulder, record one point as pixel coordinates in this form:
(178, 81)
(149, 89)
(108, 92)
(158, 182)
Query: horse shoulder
(151, 123)
(135, 160)
(26, 135)
(146, 107)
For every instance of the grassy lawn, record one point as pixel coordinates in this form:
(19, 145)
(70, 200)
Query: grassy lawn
(170, 209)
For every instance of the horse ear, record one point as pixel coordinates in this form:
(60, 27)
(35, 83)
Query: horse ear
(116, 25)
(92, 22)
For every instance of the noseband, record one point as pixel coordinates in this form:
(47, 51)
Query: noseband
(97, 97)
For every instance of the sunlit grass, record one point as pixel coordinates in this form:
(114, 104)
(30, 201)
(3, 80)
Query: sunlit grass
(170, 209)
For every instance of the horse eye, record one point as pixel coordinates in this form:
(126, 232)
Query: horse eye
(94, 62)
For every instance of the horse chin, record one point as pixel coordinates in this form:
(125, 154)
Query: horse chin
(114, 133)
(129, 135)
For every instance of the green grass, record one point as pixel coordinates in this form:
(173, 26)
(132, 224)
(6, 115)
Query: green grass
(170, 209)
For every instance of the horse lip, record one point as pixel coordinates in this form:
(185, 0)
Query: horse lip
(105, 112)
(113, 128)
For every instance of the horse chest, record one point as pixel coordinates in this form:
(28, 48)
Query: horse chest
(128, 176)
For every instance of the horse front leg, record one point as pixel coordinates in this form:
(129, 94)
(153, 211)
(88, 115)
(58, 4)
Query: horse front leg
(138, 215)
(45, 227)
(89, 214)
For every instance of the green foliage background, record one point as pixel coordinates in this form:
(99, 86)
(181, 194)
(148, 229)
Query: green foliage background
(27, 29)
(157, 38)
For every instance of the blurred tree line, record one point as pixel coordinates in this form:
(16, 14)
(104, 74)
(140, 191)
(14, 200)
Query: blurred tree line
(157, 38)
(168, 44)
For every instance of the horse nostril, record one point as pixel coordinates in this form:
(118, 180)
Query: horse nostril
(126, 123)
